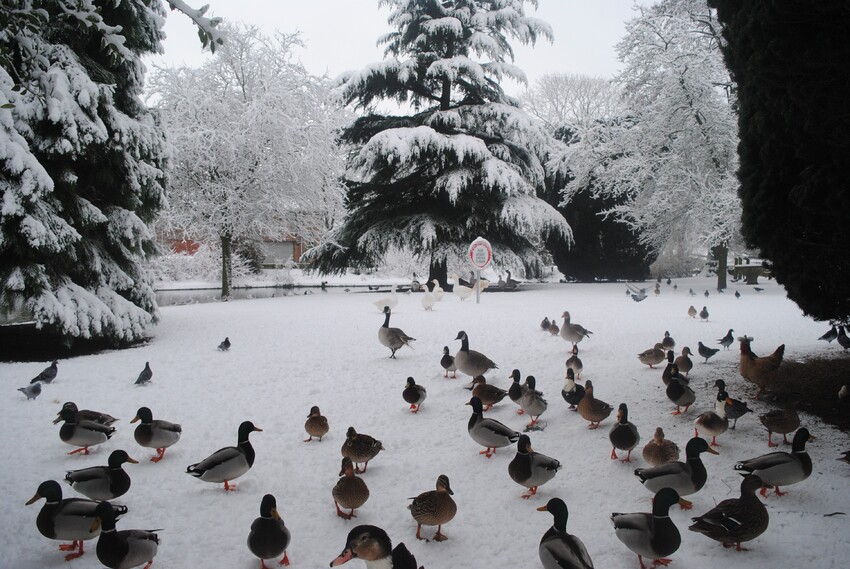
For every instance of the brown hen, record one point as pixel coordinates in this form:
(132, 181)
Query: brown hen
(761, 371)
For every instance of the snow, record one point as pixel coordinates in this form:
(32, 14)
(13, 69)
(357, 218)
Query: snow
(292, 352)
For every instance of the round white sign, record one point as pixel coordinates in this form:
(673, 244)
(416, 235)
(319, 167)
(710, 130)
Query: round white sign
(480, 253)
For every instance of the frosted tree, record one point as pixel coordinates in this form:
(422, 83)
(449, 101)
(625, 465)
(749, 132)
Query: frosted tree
(465, 162)
(83, 163)
(672, 155)
(254, 146)
(567, 99)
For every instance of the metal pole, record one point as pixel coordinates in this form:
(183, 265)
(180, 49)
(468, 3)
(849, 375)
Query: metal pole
(478, 286)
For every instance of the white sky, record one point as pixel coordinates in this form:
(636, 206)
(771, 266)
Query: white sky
(341, 35)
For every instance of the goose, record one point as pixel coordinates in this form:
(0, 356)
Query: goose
(736, 520)
(87, 415)
(781, 421)
(727, 340)
(668, 369)
(122, 549)
(488, 394)
(228, 463)
(516, 389)
(652, 535)
(373, 545)
(685, 478)
(83, 434)
(683, 362)
(659, 450)
(48, 374)
(511, 283)
(462, 292)
(532, 401)
(668, 343)
(574, 362)
(350, 491)
(414, 394)
(448, 363)
(715, 422)
(393, 338)
(572, 392)
(360, 447)
(437, 291)
(434, 508)
(706, 352)
(102, 482)
(156, 434)
(316, 424)
(488, 433)
(623, 434)
(559, 549)
(592, 409)
(531, 469)
(269, 536)
(68, 519)
(679, 391)
(145, 375)
(735, 409)
(390, 301)
(574, 333)
(781, 468)
(653, 356)
(428, 299)
(470, 362)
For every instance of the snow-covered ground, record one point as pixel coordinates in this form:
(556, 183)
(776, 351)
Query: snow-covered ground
(290, 353)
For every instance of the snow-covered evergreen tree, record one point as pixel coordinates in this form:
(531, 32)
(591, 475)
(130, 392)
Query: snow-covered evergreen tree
(254, 146)
(467, 163)
(672, 155)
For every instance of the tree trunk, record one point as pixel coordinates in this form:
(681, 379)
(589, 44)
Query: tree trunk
(226, 265)
(439, 271)
(720, 253)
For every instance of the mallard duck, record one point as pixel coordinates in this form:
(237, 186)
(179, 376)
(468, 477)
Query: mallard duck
(726, 340)
(679, 391)
(558, 549)
(781, 421)
(668, 343)
(434, 508)
(87, 415)
(592, 409)
(659, 450)
(531, 469)
(228, 463)
(145, 375)
(735, 409)
(83, 434)
(388, 301)
(489, 433)
(437, 291)
(414, 394)
(554, 329)
(122, 549)
(736, 520)
(683, 362)
(574, 333)
(706, 352)
(373, 545)
(516, 389)
(488, 394)
(155, 434)
(781, 468)
(68, 519)
(269, 536)
(845, 457)
(470, 362)
(350, 491)
(448, 363)
(668, 369)
(715, 422)
(360, 448)
(532, 401)
(685, 478)
(651, 535)
(48, 374)
(703, 314)
(393, 338)
(653, 356)
(623, 434)
(572, 392)
(316, 424)
(574, 362)
(692, 311)
(224, 345)
(544, 325)
(102, 482)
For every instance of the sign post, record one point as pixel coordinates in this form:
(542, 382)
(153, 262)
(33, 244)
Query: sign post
(480, 257)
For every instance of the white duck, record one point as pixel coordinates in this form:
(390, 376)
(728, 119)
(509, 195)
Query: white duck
(391, 301)
(428, 299)
(438, 290)
(462, 292)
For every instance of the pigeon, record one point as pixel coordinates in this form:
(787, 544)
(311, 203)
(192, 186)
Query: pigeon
(145, 376)
(830, 335)
(706, 293)
(757, 289)
(703, 314)
(48, 374)
(225, 345)
(737, 294)
(636, 293)
(727, 340)
(706, 352)
(32, 390)
(691, 292)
